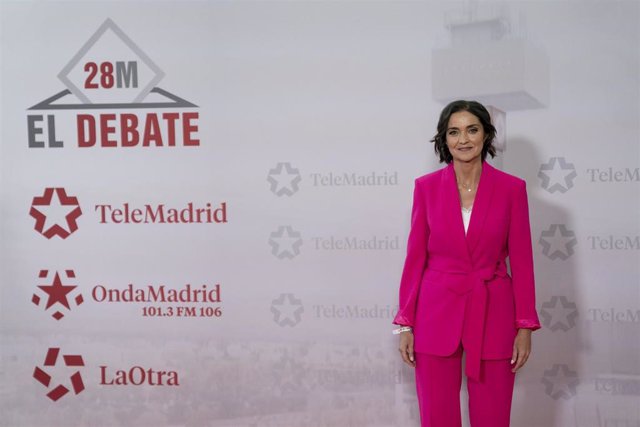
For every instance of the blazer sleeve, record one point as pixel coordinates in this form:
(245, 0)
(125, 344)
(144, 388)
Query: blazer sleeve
(415, 261)
(521, 261)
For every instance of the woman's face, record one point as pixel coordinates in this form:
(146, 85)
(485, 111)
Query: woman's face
(465, 137)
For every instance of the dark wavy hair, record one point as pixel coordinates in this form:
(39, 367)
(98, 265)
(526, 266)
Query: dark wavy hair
(475, 108)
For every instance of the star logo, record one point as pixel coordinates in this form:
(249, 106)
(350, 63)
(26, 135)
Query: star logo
(285, 242)
(287, 310)
(55, 216)
(57, 293)
(284, 179)
(558, 242)
(557, 175)
(559, 314)
(45, 379)
(560, 382)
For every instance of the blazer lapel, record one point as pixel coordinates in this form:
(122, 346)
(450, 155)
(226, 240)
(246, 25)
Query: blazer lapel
(481, 206)
(452, 209)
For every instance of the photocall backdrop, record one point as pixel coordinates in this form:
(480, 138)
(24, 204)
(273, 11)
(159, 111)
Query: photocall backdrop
(205, 205)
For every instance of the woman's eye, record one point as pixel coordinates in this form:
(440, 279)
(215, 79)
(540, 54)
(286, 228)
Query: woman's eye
(473, 130)
(452, 132)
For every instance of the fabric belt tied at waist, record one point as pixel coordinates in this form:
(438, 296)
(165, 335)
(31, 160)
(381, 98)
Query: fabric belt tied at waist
(477, 310)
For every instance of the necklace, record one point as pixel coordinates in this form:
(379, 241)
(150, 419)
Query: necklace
(464, 187)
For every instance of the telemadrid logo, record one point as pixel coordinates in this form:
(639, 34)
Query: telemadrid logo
(287, 310)
(557, 175)
(56, 213)
(558, 242)
(559, 314)
(560, 382)
(111, 74)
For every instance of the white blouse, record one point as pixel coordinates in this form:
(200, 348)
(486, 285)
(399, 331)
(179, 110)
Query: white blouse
(466, 217)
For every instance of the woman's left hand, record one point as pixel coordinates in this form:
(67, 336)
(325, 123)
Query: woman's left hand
(521, 349)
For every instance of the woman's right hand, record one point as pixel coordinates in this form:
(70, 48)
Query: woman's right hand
(406, 348)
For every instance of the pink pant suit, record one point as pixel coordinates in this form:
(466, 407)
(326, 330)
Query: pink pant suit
(457, 295)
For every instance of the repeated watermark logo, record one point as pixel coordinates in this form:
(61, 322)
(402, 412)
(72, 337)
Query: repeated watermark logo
(285, 242)
(618, 385)
(55, 213)
(612, 174)
(614, 315)
(60, 390)
(110, 79)
(559, 314)
(354, 179)
(560, 382)
(284, 179)
(354, 311)
(355, 243)
(558, 242)
(614, 243)
(57, 293)
(557, 175)
(287, 310)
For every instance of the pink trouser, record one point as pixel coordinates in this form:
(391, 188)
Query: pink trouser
(438, 383)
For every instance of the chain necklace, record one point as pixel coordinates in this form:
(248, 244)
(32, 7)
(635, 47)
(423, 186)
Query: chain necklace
(462, 186)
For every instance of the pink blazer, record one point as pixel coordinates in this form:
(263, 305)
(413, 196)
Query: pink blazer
(456, 288)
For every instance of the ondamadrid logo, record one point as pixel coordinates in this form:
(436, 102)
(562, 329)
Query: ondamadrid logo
(110, 79)
(57, 293)
(59, 390)
(55, 213)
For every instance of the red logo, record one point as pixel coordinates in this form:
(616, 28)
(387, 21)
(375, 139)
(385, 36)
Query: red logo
(45, 379)
(57, 292)
(55, 216)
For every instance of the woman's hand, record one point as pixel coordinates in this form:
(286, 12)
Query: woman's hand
(406, 348)
(521, 349)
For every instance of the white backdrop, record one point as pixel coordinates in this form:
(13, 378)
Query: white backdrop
(305, 124)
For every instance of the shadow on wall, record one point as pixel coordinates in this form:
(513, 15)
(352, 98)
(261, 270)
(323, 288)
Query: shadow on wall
(552, 375)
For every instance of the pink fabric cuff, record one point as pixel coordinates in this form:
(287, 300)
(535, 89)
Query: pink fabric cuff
(527, 324)
(402, 321)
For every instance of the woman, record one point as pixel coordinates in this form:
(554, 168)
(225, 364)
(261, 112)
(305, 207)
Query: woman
(455, 293)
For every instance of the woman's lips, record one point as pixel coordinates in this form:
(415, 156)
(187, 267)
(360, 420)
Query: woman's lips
(465, 149)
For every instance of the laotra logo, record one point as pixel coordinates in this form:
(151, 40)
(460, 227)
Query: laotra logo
(49, 375)
(111, 74)
(50, 360)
